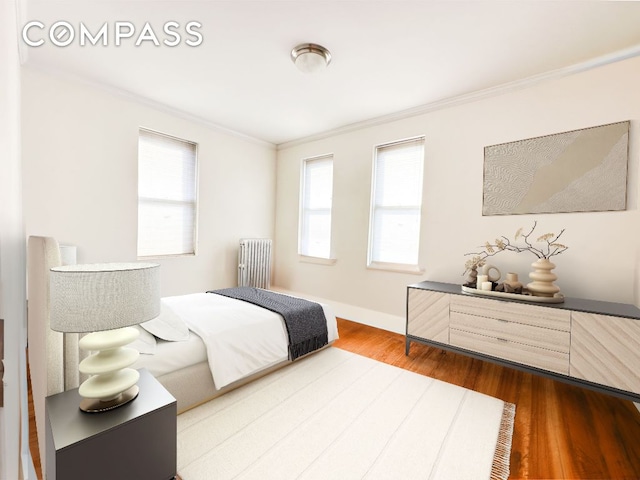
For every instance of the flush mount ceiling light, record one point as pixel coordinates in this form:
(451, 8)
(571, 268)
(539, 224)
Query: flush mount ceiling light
(310, 58)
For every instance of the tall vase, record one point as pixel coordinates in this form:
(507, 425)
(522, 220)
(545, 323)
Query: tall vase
(542, 284)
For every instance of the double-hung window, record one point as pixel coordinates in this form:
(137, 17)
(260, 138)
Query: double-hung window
(396, 200)
(167, 195)
(314, 239)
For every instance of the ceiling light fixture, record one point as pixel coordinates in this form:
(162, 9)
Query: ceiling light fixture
(310, 58)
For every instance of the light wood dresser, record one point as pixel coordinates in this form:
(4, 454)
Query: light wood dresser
(590, 343)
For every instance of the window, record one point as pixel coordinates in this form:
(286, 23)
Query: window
(166, 195)
(315, 207)
(396, 201)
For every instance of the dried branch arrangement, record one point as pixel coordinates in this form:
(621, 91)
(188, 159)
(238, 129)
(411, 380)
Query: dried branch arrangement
(545, 246)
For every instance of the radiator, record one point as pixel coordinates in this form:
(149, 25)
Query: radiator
(254, 263)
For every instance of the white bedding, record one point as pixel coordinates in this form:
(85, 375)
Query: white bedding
(171, 356)
(240, 338)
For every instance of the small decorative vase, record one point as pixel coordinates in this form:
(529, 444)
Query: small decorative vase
(542, 285)
(473, 277)
(512, 280)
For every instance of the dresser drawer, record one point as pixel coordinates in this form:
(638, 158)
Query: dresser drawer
(508, 350)
(537, 316)
(548, 339)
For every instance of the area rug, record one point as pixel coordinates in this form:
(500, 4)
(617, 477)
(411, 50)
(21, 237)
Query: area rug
(338, 415)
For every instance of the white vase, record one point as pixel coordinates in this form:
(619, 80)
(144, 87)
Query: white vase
(542, 284)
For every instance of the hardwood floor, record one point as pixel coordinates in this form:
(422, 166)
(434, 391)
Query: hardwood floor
(561, 431)
(33, 434)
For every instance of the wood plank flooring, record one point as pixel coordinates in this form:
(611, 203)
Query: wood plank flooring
(561, 431)
(33, 433)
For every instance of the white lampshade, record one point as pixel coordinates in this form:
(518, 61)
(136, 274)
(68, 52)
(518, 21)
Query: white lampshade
(105, 298)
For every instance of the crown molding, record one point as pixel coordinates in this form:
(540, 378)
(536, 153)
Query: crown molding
(147, 103)
(472, 96)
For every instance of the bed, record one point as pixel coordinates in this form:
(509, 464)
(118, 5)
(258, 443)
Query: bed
(176, 353)
(246, 342)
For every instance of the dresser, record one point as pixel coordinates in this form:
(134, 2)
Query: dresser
(589, 343)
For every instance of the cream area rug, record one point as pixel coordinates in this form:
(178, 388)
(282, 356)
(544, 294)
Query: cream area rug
(338, 415)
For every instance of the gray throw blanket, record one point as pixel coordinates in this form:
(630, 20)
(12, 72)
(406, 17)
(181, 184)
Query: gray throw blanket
(305, 321)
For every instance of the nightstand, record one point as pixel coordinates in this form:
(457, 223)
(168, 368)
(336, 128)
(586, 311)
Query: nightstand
(136, 441)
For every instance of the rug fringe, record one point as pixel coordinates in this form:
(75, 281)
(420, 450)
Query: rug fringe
(501, 457)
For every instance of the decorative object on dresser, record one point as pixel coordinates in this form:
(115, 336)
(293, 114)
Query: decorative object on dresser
(544, 247)
(542, 284)
(585, 342)
(511, 283)
(107, 299)
(578, 171)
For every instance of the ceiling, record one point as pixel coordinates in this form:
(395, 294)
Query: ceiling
(388, 56)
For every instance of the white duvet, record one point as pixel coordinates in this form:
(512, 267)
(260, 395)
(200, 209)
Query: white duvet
(240, 338)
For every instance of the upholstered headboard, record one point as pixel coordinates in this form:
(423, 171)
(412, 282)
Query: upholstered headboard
(53, 356)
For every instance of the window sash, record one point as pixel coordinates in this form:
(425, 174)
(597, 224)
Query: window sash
(316, 207)
(396, 203)
(167, 195)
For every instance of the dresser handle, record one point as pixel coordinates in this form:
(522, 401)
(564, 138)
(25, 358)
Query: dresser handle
(503, 321)
(502, 340)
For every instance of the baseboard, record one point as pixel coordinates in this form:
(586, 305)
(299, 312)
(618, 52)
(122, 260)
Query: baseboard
(637, 406)
(354, 313)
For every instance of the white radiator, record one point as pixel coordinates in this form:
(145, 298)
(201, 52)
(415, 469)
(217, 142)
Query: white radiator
(254, 263)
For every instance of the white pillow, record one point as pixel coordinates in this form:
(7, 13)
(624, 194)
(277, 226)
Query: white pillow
(145, 343)
(167, 326)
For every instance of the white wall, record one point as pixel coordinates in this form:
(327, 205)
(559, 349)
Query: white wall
(602, 259)
(15, 461)
(80, 180)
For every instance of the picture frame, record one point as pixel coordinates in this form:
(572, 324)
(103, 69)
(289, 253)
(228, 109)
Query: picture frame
(581, 170)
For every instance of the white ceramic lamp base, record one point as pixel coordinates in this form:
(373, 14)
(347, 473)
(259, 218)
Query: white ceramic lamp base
(112, 384)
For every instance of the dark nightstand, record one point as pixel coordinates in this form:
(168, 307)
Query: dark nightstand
(136, 441)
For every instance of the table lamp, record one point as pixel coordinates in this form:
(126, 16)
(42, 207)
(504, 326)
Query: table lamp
(106, 299)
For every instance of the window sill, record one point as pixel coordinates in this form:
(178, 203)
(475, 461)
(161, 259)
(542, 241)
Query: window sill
(396, 267)
(164, 256)
(317, 260)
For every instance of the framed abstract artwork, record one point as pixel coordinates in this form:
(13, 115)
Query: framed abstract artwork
(577, 171)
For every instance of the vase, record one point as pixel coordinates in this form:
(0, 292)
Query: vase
(472, 278)
(512, 280)
(542, 284)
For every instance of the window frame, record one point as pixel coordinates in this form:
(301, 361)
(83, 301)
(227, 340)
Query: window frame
(413, 268)
(195, 202)
(305, 257)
